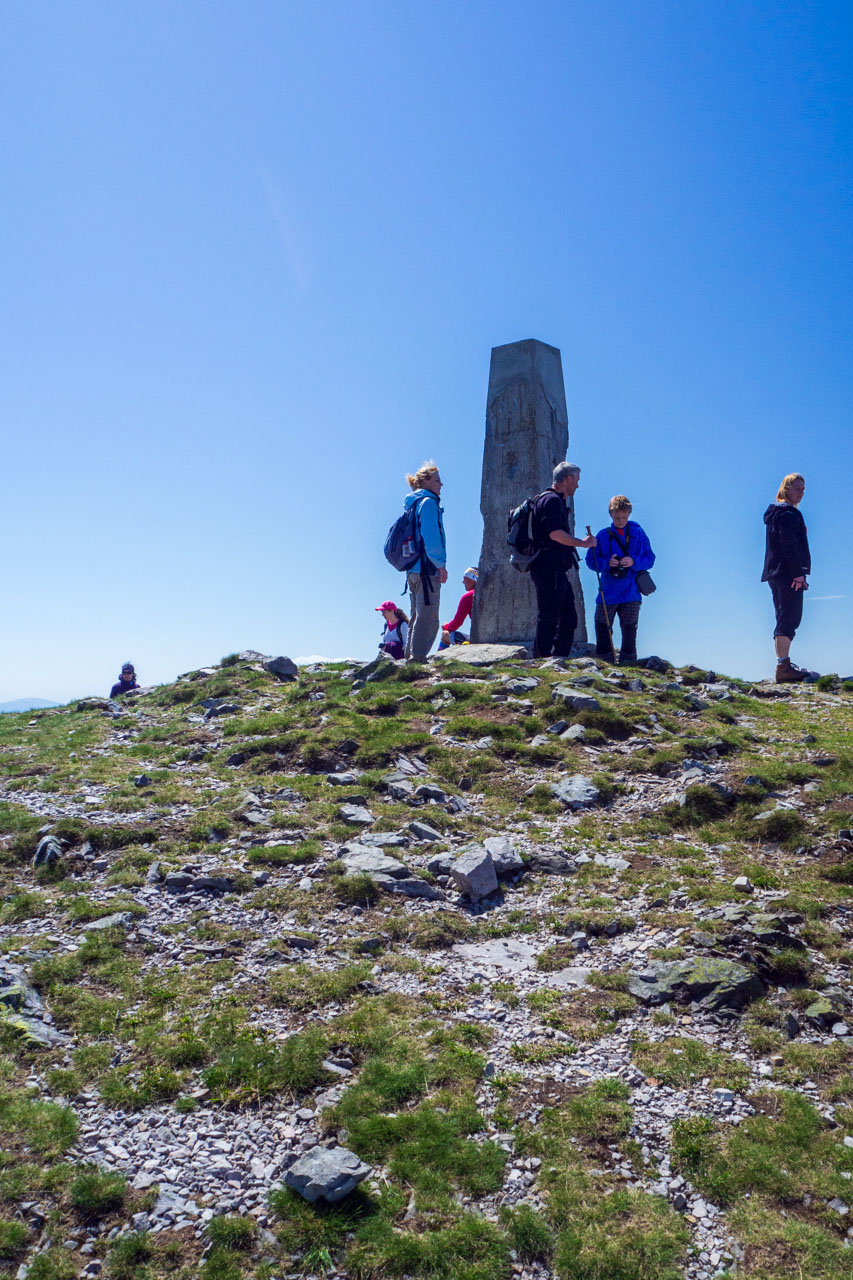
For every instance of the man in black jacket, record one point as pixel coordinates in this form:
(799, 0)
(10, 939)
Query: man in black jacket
(787, 561)
(556, 615)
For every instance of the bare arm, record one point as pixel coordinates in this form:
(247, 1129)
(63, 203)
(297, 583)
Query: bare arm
(559, 535)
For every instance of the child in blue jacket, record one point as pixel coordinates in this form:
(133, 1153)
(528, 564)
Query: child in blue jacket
(622, 551)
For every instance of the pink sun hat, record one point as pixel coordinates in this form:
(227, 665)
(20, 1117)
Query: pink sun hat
(386, 604)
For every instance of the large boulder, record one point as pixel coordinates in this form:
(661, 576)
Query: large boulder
(710, 981)
(48, 852)
(576, 791)
(568, 696)
(282, 668)
(410, 887)
(519, 685)
(473, 873)
(21, 1009)
(355, 815)
(326, 1173)
(381, 668)
(507, 861)
(551, 862)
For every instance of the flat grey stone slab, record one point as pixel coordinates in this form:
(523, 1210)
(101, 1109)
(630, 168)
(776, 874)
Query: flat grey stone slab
(481, 655)
(511, 955)
(326, 1173)
(119, 920)
(372, 862)
(576, 791)
(568, 978)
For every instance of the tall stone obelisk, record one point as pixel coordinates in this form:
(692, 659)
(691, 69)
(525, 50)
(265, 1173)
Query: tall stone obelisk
(527, 434)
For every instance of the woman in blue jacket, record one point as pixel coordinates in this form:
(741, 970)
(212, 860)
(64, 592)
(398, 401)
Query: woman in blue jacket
(621, 551)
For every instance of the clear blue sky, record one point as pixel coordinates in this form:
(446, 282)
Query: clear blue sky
(255, 255)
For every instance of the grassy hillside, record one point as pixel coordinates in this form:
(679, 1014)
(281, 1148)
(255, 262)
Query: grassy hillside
(630, 1062)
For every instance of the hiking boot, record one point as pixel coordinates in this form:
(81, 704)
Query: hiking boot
(788, 673)
(603, 647)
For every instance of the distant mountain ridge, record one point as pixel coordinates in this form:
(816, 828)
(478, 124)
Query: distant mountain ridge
(27, 704)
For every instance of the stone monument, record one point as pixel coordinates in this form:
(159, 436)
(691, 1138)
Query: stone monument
(527, 434)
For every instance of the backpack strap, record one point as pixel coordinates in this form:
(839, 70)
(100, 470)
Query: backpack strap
(611, 533)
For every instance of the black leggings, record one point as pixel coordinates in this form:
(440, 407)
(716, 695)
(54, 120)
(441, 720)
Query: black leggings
(556, 616)
(788, 604)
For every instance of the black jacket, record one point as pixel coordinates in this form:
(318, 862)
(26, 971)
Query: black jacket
(787, 550)
(551, 513)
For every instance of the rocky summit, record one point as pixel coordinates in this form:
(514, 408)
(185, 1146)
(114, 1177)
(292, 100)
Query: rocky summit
(502, 970)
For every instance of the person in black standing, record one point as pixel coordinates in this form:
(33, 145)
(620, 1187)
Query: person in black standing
(787, 561)
(556, 615)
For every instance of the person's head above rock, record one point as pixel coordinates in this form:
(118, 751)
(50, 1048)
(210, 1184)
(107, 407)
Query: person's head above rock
(125, 682)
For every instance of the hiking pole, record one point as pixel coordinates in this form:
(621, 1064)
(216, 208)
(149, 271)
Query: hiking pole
(601, 594)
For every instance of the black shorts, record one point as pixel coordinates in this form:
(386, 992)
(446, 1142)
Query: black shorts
(788, 604)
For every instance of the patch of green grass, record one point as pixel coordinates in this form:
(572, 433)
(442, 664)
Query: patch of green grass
(782, 1247)
(789, 967)
(13, 1237)
(783, 826)
(127, 1256)
(356, 890)
(44, 1127)
(81, 909)
(625, 1236)
(96, 1191)
(469, 1249)
(25, 905)
(301, 986)
(285, 855)
(249, 1067)
(679, 1061)
(311, 1231)
(53, 1264)
(702, 804)
(529, 1233)
(783, 1152)
(232, 1232)
(434, 932)
(601, 1232)
(222, 1264)
(133, 1089)
(600, 1112)
(539, 1052)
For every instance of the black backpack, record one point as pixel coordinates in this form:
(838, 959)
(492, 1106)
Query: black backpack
(520, 536)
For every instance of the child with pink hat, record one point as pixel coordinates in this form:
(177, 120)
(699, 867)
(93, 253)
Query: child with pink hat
(393, 641)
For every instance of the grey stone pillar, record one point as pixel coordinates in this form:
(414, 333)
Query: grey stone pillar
(527, 434)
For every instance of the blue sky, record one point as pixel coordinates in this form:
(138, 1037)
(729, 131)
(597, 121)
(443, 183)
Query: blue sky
(254, 258)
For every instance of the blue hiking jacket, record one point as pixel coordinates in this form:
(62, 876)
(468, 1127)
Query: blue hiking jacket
(620, 590)
(432, 527)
